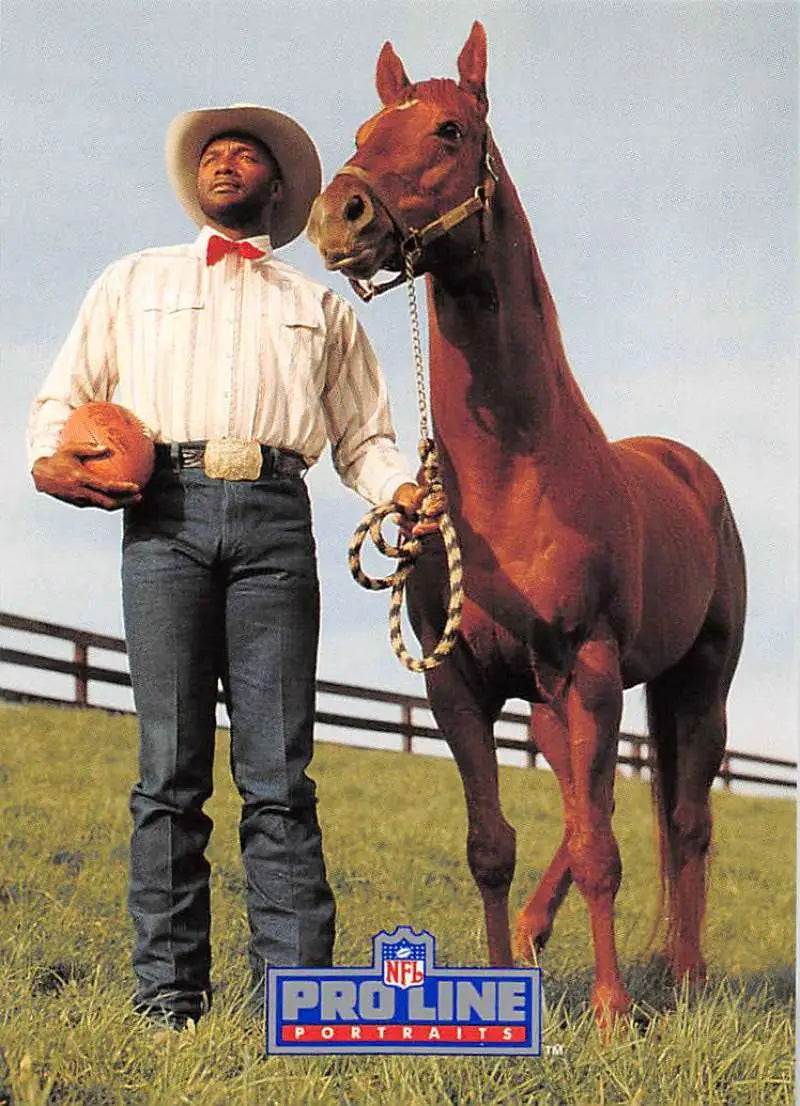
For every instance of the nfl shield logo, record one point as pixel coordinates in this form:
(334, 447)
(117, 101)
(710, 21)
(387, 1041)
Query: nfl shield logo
(403, 964)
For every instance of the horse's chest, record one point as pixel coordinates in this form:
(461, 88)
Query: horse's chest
(509, 658)
(520, 625)
(515, 632)
(533, 580)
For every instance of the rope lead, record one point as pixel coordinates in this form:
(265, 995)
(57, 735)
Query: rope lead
(406, 552)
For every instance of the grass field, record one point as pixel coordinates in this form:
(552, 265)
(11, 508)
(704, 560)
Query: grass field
(395, 831)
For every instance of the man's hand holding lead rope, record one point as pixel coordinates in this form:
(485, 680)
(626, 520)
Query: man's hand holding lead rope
(418, 515)
(422, 509)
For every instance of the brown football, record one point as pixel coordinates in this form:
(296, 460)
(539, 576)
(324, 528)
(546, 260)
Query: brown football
(132, 455)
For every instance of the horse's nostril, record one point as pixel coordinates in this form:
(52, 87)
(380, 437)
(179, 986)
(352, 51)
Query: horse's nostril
(354, 209)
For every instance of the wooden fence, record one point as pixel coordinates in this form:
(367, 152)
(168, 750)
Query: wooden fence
(407, 727)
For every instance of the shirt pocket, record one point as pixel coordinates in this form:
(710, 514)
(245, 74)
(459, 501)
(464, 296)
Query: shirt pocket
(174, 301)
(300, 340)
(172, 330)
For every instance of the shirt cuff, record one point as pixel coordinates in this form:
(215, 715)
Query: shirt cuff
(40, 449)
(393, 482)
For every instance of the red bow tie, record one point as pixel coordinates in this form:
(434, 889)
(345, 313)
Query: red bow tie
(218, 247)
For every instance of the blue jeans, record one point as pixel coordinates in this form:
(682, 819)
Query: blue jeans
(219, 580)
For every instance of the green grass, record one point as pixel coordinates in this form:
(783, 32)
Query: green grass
(395, 832)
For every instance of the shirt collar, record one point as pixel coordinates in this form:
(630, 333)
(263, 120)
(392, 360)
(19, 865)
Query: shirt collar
(261, 241)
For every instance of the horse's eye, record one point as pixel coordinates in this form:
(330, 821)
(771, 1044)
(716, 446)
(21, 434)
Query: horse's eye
(450, 132)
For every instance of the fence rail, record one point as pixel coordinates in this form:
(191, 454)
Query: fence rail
(407, 728)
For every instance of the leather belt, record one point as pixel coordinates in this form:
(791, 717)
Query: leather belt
(275, 462)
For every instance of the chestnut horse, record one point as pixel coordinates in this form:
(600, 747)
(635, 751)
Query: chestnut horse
(589, 566)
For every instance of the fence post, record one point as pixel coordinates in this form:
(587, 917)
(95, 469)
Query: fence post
(408, 729)
(637, 759)
(725, 772)
(80, 657)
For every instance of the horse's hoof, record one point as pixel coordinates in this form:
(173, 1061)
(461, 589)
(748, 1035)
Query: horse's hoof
(611, 1005)
(695, 973)
(530, 940)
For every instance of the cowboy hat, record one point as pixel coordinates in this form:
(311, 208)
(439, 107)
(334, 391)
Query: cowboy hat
(289, 144)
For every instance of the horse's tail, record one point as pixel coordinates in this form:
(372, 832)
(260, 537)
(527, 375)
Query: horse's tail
(663, 776)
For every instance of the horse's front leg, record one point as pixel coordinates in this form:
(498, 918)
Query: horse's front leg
(594, 708)
(467, 723)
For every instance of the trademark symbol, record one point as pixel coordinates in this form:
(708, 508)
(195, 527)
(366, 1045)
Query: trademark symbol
(554, 1050)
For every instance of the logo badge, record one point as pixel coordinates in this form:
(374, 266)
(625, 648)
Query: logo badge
(404, 1003)
(403, 964)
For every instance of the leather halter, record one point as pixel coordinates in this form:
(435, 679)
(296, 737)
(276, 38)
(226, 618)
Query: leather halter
(412, 241)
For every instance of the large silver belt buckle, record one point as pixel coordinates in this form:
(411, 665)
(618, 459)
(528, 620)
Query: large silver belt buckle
(232, 459)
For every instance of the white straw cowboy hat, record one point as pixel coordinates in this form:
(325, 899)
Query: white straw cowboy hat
(290, 145)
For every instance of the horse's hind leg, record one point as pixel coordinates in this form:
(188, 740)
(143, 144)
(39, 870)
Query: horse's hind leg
(687, 725)
(535, 921)
(686, 712)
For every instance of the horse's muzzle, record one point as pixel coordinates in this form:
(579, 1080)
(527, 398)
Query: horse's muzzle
(352, 233)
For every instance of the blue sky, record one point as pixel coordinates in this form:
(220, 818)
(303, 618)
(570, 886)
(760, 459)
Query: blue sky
(654, 146)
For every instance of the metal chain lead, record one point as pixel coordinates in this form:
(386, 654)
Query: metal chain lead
(408, 549)
(416, 348)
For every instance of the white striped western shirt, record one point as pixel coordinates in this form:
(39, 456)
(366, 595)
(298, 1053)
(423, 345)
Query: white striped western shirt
(243, 349)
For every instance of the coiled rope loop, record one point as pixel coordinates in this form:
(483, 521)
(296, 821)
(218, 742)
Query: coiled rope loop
(406, 552)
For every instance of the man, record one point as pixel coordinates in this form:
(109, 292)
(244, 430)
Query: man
(241, 367)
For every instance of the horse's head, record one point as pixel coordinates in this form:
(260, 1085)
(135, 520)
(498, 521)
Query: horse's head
(422, 167)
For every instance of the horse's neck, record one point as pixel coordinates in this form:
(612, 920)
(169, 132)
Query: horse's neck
(501, 390)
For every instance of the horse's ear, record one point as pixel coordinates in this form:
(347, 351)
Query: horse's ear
(390, 76)
(472, 63)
